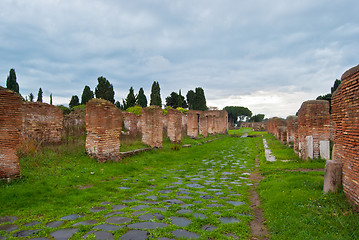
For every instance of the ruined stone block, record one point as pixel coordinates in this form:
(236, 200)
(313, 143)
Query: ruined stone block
(332, 176)
(174, 125)
(324, 147)
(10, 127)
(314, 121)
(152, 126)
(42, 122)
(103, 126)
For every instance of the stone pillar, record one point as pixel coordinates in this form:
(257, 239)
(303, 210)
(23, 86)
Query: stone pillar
(314, 121)
(152, 126)
(42, 122)
(332, 176)
(174, 125)
(130, 121)
(193, 123)
(10, 127)
(203, 125)
(103, 126)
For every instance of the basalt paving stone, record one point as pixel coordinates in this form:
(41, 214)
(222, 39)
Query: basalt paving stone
(114, 213)
(180, 233)
(106, 203)
(118, 207)
(140, 207)
(8, 228)
(215, 205)
(206, 197)
(231, 235)
(183, 192)
(85, 223)
(97, 209)
(39, 238)
(118, 220)
(150, 216)
(150, 202)
(100, 235)
(229, 220)
(199, 215)
(186, 205)
(152, 197)
(147, 225)
(129, 201)
(30, 224)
(163, 238)
(174, 201)
(197, 202)
(72, 217)
(184, 197)
(194, 185)
(135, 235)
(163, 209)
(107, 227)
(184, 211)
(235, 203)
(8, 219)
(208, 227)
(25, 233)
(138, 213)
(165, 191)
(54, 224)
(181, 221)
(63, 234)
(124, 188)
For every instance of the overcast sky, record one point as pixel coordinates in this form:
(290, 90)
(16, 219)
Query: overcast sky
(269, 56)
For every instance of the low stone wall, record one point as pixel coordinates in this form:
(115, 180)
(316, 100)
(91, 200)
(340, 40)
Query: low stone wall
(152, 126)
(10, 127)
(42, 122)
(103, 126)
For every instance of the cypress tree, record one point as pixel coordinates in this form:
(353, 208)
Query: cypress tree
(156, 94)
(31, 97)
(104, 90)
(39, 95)
(200, 100)
(50, 98)
(74, 101)
(87, 95)
(141, 98)
(190, 99)
(130, 99)
(11, 81)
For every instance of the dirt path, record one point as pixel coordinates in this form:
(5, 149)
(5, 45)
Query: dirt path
(258, 229)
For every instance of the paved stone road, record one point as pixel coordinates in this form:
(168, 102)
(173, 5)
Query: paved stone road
(202, 201)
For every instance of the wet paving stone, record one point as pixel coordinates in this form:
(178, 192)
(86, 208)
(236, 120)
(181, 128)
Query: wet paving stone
(149, 216)
(25, 233)
(152, 198)
(181, 221)
(100, 235)
(135, 235)
(8, 219)
(162, 209)
(229, 220)
(194, 185)
(85, 223)
(64, 233)
(208, 227)
(30, 224)
(108, 227)
(114, 213)
(97, 209)
(180, 233)
(8, 227)
(72, 217)
(54, 224)
(118, 220)
(147, 225)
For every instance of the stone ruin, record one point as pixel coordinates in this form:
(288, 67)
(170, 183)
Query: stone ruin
(42, 122)
(256, 126)
(292, 132)
(193, 123)
(130, 123)
(174, 125)
(10, 127)
(152, 126)
(345, 161)
(74, 123)
(314, 129)
(103, 126)
(274, 124)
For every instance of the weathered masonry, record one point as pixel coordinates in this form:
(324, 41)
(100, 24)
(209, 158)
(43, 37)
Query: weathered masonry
(292, 132)
(103, 126)
(174, 125)
(10, 127)
(152, 126)
(345, 115)
(314, 129)
(130, 123)
(42, 122)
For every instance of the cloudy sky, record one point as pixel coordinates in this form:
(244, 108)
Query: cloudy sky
(269, 56)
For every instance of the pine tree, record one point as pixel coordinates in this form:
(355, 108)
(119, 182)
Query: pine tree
(104, 90)
(172, 100)
(74, 101)
(39, 95)
(156, 94)
(130, 99)
(87, 95)
(141, 98)
(31, 97)
(11, 81)
(50, 98)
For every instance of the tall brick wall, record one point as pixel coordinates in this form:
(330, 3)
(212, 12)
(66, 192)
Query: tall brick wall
(10, 127)
(174, 125)
(273, 124)
(217, 121)
(345, 115)
(130, 123)
(152, 126)
(193, 123)
(282, 134)
(103, 126)
(292, 132)
(42, 122)
(313, 127)
(203, 125)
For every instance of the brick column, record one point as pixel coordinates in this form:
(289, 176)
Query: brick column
(174, 125)
(152, 126)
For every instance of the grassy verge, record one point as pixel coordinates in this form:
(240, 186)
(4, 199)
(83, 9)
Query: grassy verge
(294, 204)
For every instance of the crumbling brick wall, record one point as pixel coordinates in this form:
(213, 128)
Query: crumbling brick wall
(103, 126)
(42, 122)
(174, 125)
(152, 126)
(314, 129)
(75, 123)
(292, 132)
(282, 134)
(345, 115)
(217, 121)
(193, 123)
(256, 126)
(130, 123)
(10, 127)
(273, 124)
(203, 125)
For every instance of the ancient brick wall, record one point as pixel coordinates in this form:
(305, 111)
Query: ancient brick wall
(314, 129)
(345, 115)
(103, 126)
(292, 132)
(174, 125)
(152, 126)
(256, 126)
(282, 134)
(203, 125)
(273, 124)
(75, 123)
(193, 123)
(130, 123)
(42, 122)
(217, 121)
(10, 127)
